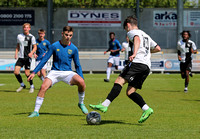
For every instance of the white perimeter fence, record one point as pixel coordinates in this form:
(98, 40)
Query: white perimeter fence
(97, 62)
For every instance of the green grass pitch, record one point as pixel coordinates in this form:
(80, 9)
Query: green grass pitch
(176, 114)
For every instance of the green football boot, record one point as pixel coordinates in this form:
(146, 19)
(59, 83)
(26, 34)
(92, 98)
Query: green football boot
(146, 115)
(83, 108)
(34, 114)
(99, 107)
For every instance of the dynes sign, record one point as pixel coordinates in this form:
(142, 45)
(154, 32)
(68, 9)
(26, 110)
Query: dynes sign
(94, 18)
(94, 15)
(164, 18)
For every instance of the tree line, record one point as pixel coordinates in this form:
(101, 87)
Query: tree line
(100, 3)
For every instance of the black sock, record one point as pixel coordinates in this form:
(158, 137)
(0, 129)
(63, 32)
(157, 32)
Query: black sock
(114, 92)
(137, 99)
(31, 81)
(186, 84)
(19, 78)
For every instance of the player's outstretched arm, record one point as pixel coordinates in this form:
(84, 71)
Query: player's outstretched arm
(136, 41)
(156, 49)
(33, 51)
(123, 49)
(44, 60)
(194, 51)
(35, 55)
(77, 63)
(16, 51)
(31, 76)
(179, 55)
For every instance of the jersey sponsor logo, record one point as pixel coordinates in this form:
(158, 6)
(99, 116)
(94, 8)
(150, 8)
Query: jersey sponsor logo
(131, 78)
(113, 43)
(69, 51)
(58, 50)
(44, 44)
(25, 43)
(188, 45)
(28, 38)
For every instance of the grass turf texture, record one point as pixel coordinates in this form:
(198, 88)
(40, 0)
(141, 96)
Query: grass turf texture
(176, 114)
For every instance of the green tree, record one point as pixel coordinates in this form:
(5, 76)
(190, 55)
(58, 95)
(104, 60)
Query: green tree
(99, 3)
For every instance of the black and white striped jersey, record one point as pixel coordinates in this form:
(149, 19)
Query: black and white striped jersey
(185, 50)
(26, 43)
(146, 44)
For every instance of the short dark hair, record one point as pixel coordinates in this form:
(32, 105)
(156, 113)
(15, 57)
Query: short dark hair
(68, 28)
(130, 19)
(112, 33)
(41, 30)
(184, 31)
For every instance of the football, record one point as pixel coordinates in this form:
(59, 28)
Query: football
(93, 118)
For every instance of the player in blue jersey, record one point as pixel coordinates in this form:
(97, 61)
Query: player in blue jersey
(63, 53)
(42, 47)
(114, 58)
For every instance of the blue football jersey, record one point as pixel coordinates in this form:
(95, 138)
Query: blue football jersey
(42, 47)
(62, 58)
(114, 45)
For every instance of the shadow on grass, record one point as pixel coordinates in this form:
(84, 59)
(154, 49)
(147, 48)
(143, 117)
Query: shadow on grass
(14, 91)
(198, 100)
(46, 113)
(103, 122)
(168, 91)
(8, 91)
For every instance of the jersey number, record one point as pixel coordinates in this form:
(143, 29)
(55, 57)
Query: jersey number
(145, 45)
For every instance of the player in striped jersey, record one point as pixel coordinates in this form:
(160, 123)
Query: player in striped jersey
(136, 71)
(26, 46)
(186, 48)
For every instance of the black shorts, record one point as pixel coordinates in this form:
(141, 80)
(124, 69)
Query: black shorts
(135, 74)
(186, 66)
(24, 62)
(126, 62)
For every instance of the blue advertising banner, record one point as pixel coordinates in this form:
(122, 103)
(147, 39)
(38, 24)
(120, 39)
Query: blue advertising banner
(17, 17)
(7, 64)
(172, 65)
(157, 64)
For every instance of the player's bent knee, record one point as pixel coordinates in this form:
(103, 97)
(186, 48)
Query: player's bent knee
(82, 83)
(27, 75)
(16, 72)
(183, 76)
(130, 90)
(44, 87)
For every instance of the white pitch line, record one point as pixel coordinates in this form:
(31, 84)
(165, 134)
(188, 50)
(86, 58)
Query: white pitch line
(2, 84)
